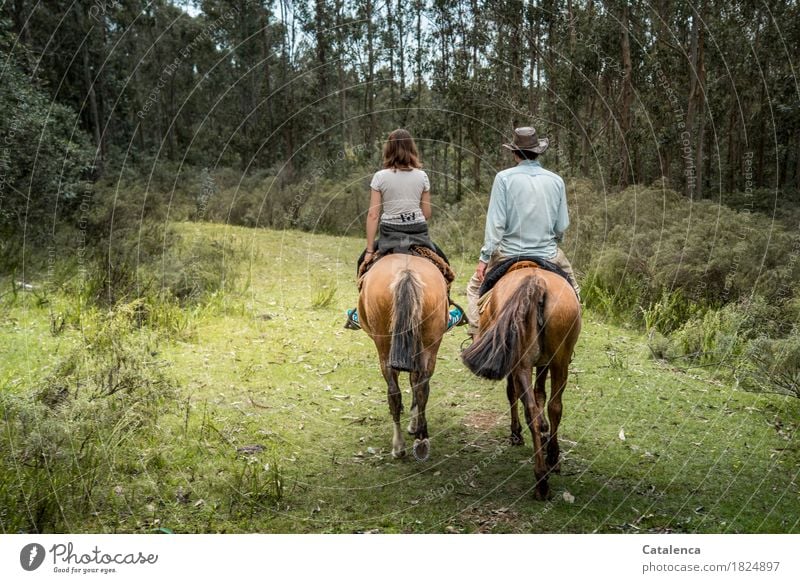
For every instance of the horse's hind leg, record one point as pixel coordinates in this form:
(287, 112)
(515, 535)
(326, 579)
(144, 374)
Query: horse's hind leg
(395, 408)
(523, 380)
(412, 421)
(516, 426)
(540, 392)
(420, 387)
(559, 373)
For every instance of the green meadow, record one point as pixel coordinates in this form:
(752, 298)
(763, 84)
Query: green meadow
(253, 410)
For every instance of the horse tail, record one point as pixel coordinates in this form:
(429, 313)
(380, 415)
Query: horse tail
(506, 340)
(406, 345)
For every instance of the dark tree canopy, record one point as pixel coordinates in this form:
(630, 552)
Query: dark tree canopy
(703, 94)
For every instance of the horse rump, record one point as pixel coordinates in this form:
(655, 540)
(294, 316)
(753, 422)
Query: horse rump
(500, 347)
(406, 344)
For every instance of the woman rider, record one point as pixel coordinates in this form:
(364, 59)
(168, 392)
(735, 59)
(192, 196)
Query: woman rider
(399, 207)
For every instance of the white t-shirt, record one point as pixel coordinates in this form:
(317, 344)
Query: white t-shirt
(401, 191)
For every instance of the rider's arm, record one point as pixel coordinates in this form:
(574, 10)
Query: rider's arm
(495, 220)
(373, 218)
(562, 217)
(425, 204)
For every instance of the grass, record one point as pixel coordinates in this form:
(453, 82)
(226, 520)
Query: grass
(281, 424)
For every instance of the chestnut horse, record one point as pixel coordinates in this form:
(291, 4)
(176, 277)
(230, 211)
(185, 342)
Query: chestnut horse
(403, 307)
(531, 319)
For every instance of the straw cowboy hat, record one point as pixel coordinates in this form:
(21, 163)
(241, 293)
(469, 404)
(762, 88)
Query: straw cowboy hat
(525, 139)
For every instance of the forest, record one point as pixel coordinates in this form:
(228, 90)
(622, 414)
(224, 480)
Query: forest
(121, 118)
(703, 93)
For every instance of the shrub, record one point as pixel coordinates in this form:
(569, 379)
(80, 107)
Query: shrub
(773, 365)
(615, 285)
(323, 294)
(194, 268)
(70, 438)
(44, 157)
(459, 228)
(704, 280)
(669, 313)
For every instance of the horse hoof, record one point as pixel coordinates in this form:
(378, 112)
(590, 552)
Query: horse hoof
(401, 453)
(542, 492)
(422, 449)
(516, 439)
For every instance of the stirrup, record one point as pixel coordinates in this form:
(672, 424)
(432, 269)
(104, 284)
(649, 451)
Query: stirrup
(352, 320)
(456, 317)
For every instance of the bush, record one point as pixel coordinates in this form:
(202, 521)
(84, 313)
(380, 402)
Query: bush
(74, 436)
(667, 243)
(773, 365)
(43, 157)
(459, 228)
(615, 285)
(669, 313)
(193, 268)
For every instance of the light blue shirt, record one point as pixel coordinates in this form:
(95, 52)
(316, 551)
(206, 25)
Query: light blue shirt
(527, 212)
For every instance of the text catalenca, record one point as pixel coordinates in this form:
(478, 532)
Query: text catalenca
(670, 550)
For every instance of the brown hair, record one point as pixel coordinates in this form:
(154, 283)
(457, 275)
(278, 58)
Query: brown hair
(400, 151)
(526, 154)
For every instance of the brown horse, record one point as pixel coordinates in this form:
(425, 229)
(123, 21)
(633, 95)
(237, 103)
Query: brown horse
(532, 319)
(403, 307)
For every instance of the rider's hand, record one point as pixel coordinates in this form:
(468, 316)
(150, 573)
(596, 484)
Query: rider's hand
(480, 270)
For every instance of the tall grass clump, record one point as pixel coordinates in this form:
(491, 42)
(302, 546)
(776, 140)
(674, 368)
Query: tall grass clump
(77, 434)
(256, 482)
(323, 294)
(773, 365)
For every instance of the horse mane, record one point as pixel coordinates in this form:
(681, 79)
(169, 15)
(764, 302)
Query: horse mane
(406, 344)
(516, 326)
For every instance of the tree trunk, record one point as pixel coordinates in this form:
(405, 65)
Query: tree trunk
(586, 142)
(286, 65)
(701, 106)
(401, 46)
(476, 163)
(627, 97)
(459, 159)
(761, 129)
(731, 163)
(784, 164)
(532, 88)
(370, 75)
(691, 105)
(797, 160)
(538, 61)
(265, 56)
(341, 72)
(571, 27)
(553, 88)
(390, 42)
(419, 5)
(94, 113)
(446, 171)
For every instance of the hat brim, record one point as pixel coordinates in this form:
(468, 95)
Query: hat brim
(544, 143)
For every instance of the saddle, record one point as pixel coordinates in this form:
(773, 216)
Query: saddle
(514, 263)
(420, 251)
